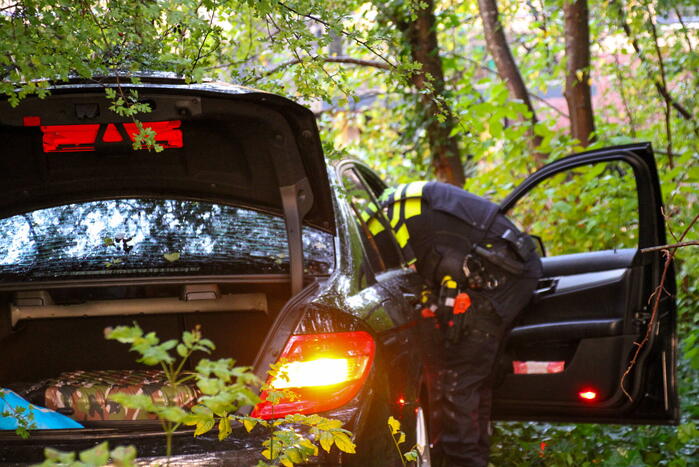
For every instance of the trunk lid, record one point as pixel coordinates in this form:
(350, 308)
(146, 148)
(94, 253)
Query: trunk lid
(222, 143)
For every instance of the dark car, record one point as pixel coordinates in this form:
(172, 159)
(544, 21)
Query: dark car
(238, 225)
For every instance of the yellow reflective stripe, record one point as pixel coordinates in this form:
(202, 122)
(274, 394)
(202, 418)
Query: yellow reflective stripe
(395, 208)
(414, 189)
(402, 236)
(413, 207)
(395, 214)
(375, 227)
(369, 211)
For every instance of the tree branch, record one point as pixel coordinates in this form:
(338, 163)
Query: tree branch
(577, 54)
(622, 93)
(663, 80)
(684, 29)
(297, 61)
(531, 94)
(667, 247)
(342, 31)
(662, 90)
(507, 67)
(669, 251)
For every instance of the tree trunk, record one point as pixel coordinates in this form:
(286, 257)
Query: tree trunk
(577, 93)
(421, 36)
(505, 64)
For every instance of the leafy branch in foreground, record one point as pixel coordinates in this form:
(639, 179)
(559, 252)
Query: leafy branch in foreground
(224, 389)
(669, 253)
(95, 457)
(24, 417)
(287, 446)
(399, 438)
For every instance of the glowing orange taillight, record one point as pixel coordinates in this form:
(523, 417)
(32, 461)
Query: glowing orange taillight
(588, 395)
(324, 371)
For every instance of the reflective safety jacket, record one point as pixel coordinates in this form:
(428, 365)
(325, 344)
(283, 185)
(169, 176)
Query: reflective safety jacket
(409, 211)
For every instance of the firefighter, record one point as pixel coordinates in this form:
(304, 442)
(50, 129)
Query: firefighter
(480, 272)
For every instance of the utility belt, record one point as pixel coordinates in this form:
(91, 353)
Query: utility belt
(518, 249)
(486, 264)
(462, 306)
(457, 313)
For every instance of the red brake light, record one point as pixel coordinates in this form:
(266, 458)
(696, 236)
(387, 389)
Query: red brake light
(324, 371)
(588, 395)
(74, 138)
(111, 134)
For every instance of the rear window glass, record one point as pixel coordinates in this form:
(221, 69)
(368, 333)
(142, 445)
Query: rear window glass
(149, 237)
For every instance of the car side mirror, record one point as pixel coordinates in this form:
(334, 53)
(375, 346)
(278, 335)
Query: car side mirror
(540, 249)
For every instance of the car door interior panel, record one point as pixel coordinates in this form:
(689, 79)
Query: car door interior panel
(579, 321)
(568, 354)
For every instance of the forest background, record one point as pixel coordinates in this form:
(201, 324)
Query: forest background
(475, 93)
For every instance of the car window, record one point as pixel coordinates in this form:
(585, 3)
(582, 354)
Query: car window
(588, 208)
(150, 237)
(382, 251)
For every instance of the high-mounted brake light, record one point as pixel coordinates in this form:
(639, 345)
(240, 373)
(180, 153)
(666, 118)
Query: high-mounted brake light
(323, 371)
(80, 138)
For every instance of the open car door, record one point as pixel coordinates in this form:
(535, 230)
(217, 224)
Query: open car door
(566, 357)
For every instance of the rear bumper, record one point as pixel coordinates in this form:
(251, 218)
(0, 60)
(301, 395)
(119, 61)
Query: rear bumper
(241, 448)
(238, 449)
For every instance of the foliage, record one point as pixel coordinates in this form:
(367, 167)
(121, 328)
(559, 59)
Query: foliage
(224, 389)
(398, 439)
(23, 415)
(288, 440)
(98, 456)
(294, 439)
(593, 207)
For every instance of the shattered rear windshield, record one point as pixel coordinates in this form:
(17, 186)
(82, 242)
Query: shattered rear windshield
(150, 237)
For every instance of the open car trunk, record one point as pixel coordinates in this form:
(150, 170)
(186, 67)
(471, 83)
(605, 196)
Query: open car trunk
(217, 228)
(64, 362)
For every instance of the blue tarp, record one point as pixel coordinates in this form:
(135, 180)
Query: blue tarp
(44, 419)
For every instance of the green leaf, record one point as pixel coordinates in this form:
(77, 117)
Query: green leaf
(124, 456)
(59, 457)
(394, 425)
(172, 257)
(204, 426)
(326, 440)
(97, 456)
(249, 424)
(224, 428)
(343, 442)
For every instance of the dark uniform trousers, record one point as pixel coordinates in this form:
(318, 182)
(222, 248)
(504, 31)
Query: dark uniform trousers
(438, 225)
(462, 373)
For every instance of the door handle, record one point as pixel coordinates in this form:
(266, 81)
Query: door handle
(546, 287)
